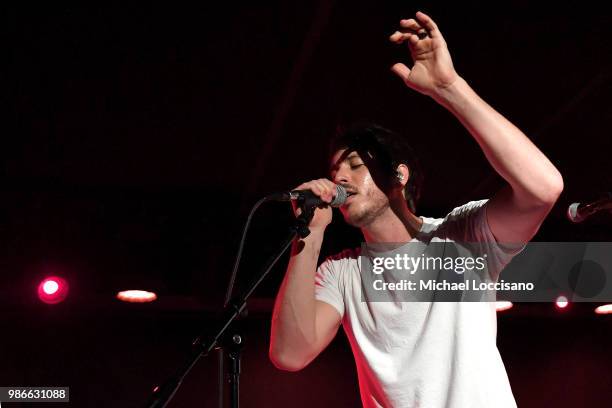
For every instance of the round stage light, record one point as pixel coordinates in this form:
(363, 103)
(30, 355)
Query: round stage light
(50, 287)
(136, 296)
(52, 290)
(561, 302)
(502, 305)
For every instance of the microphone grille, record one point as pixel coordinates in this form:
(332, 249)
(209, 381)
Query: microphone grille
(341, 196)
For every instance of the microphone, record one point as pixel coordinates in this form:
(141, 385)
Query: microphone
(307, 198)
(578, 212)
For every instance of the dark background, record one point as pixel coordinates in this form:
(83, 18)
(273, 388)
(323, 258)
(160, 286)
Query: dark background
(137, 137)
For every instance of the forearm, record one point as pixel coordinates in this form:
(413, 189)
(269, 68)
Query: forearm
(293, 336)
(533, 178)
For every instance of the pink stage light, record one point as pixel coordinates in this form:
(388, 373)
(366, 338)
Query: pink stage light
(50, 287)
(136, 296)
(561, 302)
(604, 309)
(52, 290)
(502, 305)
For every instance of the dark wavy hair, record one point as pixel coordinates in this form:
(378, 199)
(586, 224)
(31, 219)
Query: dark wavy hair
(388, 149)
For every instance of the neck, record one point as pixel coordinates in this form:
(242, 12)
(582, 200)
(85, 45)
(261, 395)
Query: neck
(396, 224)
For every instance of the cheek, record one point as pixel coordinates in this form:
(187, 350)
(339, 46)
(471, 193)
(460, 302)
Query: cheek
(369, 185)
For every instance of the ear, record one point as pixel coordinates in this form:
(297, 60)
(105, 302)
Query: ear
(403, 174)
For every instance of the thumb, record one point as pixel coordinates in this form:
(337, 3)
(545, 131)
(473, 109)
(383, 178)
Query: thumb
(401, 71)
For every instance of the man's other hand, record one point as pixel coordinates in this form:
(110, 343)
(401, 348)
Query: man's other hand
(432, 69)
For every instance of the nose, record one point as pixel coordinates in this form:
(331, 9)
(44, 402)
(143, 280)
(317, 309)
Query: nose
(341, 175)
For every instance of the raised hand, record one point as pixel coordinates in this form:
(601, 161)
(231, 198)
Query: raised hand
(432, 69)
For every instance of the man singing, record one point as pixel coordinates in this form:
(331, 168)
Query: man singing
(413, 354)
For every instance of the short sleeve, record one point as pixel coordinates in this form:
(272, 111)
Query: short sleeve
(327, 284)
(469, 223)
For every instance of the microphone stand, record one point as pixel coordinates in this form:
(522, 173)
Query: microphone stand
(162, 395)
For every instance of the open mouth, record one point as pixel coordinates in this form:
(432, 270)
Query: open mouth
(349, 195)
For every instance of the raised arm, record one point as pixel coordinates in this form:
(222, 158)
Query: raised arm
(516, 212)
(301, 325)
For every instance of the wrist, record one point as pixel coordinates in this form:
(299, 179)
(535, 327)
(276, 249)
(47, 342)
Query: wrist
(452, 94)
(316, 232)
(312, 242)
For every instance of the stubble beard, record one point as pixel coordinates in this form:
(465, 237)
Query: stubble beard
(366, 213)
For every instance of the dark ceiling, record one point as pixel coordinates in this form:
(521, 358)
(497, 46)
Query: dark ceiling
(139, 136)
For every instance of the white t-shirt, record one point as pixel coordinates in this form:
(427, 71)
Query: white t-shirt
(423, 354)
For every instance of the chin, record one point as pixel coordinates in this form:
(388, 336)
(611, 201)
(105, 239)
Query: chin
(358, 216)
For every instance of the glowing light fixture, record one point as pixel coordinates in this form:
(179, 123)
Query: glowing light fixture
(52, 290)
(604, 309)
(502, 305)
(136, 296)
(561, 302)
